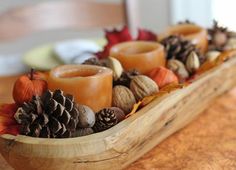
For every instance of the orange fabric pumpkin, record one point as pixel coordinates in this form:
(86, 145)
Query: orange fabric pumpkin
(28, 86)
(163, 76)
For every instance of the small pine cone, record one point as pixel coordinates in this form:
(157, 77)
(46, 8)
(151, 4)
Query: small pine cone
(126, 78)
(178, 48)
(105, 119)
(53, 115)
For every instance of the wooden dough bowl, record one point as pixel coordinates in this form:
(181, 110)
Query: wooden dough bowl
(121, 145)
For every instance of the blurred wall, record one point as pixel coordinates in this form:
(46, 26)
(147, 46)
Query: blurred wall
(153, 14)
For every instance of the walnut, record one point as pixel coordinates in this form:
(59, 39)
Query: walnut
(123, 98)
(143, 86)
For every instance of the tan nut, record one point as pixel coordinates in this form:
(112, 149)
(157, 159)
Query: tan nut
(212, 55)
(115, 66)
(192, 62)
(178, 68)
(143, 86)
(231, 44)
(123, 98)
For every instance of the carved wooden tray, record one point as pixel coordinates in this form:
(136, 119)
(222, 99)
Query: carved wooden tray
(126, 142)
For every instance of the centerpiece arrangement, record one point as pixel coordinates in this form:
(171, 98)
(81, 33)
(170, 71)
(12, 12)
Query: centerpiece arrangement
(145, 83)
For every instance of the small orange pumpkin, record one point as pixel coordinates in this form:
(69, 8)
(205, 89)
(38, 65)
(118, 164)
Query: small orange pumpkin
(163, 76)
(28, 86)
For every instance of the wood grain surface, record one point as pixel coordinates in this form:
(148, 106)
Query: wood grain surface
(207, 143)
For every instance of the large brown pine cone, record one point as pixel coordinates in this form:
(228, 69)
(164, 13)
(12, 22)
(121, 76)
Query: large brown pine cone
(54, 115)
(178, 48)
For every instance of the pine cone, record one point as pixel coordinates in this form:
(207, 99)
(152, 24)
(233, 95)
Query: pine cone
(218, 37)
(53, 115)
(105, 119)
(178, 48)
(126, 78)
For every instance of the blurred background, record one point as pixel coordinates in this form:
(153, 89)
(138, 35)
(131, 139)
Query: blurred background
(155, 15)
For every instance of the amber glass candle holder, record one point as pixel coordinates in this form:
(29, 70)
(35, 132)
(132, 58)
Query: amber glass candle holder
(140, 55)
(90, 85)
(194, 33)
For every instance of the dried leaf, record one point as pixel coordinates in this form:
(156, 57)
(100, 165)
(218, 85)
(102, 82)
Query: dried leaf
(149, 99)
(173, 86)
(146, 35)
(114, 37)
(135, 108)
(167, 89)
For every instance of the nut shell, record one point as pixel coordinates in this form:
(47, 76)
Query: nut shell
(86, 116)
(123, 98)
(143, 86)
(115, 66)
(212, 55)
(192, 63)
(178, 68)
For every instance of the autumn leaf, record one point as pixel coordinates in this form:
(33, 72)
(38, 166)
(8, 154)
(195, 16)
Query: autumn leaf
(13, 130)
(114, 37)
(8, 124)
(165, 90)
(8, 109)
(146, 35)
